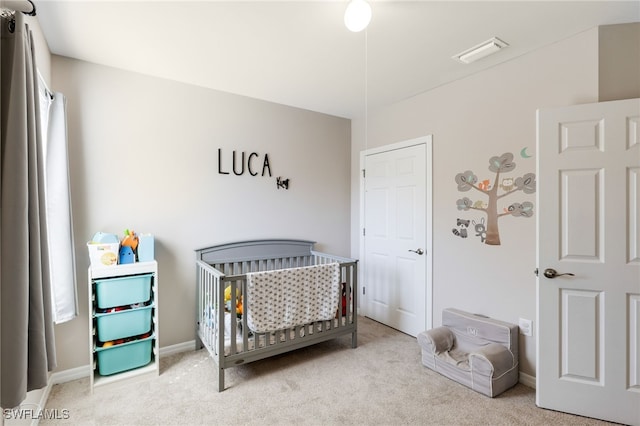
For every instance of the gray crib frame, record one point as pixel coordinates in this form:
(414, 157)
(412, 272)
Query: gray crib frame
(227, 264)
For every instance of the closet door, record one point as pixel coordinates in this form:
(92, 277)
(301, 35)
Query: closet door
(396, 252)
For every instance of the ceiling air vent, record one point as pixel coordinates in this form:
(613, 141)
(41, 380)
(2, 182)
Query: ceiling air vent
(480, 51)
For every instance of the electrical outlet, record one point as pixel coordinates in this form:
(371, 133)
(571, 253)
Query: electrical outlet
(526, 327)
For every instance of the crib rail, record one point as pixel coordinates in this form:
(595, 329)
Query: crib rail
(224, 331)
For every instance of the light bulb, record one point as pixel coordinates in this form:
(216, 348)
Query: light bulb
(357, 15)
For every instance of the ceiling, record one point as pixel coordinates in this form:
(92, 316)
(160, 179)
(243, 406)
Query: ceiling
(299, 52)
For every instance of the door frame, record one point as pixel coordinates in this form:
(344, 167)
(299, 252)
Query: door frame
(428, 142)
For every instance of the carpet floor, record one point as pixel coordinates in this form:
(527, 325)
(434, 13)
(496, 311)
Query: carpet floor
(381, 382)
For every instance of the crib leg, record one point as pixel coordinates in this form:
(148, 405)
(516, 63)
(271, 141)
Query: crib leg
(220, 379)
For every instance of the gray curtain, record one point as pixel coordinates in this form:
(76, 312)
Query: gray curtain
(26, 329)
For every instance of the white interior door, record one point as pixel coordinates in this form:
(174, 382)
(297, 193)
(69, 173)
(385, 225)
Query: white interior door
(588, 339)
(396, 290)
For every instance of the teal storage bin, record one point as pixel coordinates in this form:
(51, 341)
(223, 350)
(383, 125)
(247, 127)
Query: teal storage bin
(123, 357)
(123, 324)
(121, 291)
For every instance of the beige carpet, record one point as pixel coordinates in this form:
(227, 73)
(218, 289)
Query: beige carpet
(382, 382)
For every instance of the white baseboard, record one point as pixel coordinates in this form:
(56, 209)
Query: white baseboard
(69, 375)
(29, 411)
(84, 371)
(180, 347)
(527, 380)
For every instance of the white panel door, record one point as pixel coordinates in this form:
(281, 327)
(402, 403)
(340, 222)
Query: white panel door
(588, 339)
(395, 237)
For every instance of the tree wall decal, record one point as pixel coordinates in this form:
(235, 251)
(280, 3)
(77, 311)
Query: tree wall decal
(499, 165)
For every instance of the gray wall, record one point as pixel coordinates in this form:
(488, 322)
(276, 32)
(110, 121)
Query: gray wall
(471, 120)
(144, 156)
(619, 67)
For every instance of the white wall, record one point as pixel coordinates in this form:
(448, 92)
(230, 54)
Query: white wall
(143, 155)
(472, 120)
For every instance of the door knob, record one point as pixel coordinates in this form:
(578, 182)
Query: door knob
(552, 273)
(419, 251)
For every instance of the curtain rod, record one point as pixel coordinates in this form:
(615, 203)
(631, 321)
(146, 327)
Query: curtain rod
(9, 14)
(20, 5)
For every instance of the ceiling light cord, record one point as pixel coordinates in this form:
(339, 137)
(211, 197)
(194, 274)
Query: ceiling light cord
(366, 90)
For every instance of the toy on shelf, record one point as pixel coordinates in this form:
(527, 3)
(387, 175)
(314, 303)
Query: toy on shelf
(122, 308)
(130, 240)
(103, 249)
(107, 249)
(128, 247)
(126, 255)
(121, 341)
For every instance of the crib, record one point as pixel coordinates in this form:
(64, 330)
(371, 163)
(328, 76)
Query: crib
(223, 314)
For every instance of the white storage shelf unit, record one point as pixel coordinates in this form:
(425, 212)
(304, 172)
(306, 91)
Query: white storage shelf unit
(117, 274)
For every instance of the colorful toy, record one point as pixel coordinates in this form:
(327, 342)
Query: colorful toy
(130, 240)
(126, 255)
(227, 300)
(345, 301)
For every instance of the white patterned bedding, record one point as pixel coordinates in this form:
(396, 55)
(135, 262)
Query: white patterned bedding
(285, 298)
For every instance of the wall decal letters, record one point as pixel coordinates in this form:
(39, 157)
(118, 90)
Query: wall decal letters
(253, 154)
(220, 163)
(265, 165)
(241, 162)
(245, 163)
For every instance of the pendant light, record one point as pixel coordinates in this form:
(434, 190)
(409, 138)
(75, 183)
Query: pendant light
(357, 15)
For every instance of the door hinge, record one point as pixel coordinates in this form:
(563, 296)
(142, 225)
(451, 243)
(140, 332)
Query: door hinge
(364, 290)
(364, 173)
(535, 271)
(364, 232)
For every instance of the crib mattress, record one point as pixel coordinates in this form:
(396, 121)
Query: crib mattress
(259, 340)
